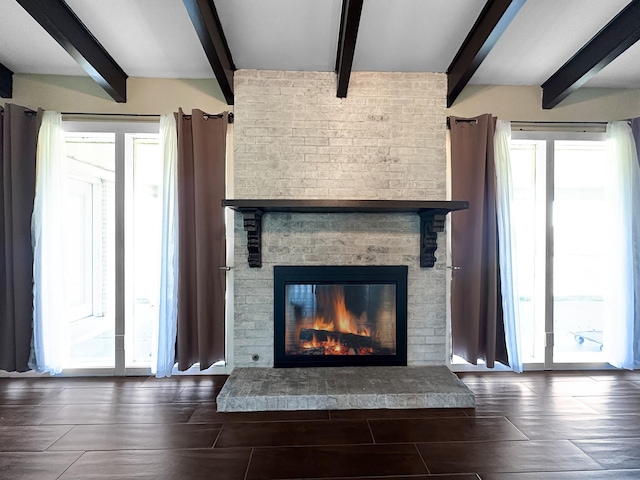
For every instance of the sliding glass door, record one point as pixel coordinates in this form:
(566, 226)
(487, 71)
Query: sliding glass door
(558, 203)
(112, 240)
(579, 273)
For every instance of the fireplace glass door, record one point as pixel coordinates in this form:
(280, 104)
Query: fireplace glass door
(340, 316)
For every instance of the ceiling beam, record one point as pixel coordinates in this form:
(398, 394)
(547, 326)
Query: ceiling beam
(6, 82)
(349, 23)
(490, 25)
(205, 20)
(65, 27)
(614, 38)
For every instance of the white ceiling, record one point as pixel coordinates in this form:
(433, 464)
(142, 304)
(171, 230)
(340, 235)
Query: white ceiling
(542, 37)
(155, 38)
(412, 35)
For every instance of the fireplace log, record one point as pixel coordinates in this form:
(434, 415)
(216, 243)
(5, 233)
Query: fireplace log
(351, 340)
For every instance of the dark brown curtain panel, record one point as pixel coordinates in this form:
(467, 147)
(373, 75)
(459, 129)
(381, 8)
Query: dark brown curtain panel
(201, 284)
(477, 326)
(18, 140)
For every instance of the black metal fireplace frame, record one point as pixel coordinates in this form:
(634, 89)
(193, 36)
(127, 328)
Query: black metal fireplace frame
(343, 274)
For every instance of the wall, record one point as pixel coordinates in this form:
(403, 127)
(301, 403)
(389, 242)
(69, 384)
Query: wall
(147, 95)
(524, 103)
(295, 139)
(388, 106)
(144, 95)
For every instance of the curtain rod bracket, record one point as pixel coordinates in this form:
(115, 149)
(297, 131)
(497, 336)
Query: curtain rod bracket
(472, 121)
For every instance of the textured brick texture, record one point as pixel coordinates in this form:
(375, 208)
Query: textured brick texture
(293, 138)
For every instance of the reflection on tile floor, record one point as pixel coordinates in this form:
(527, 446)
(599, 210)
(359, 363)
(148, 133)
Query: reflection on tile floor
(526, 427)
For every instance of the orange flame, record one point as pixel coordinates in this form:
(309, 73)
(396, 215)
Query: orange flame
(335, 317)
(346, 321)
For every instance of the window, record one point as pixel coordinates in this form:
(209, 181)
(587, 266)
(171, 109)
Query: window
(559, 195)
(112, 241)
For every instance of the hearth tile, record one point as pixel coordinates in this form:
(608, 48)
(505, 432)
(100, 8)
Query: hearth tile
(294, 433)
(208, 413)
(335, 461)
(256, 404)
(448, 400)
(315, 388)
(345, 401)
(389, 400)
(365, 401)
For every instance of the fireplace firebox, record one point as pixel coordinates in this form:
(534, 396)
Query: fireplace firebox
(340, 315)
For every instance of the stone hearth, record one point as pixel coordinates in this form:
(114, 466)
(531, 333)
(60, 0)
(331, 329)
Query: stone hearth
(262, 389)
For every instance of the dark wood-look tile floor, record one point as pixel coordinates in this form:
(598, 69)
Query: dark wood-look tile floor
(535, 426)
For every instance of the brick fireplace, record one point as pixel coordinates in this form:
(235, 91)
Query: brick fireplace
(293, 139)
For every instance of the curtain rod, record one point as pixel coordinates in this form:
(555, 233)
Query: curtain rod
(474, 121)
(27, 112)
(542, 122)
(213, 115)
(148, 115)
(111, 114)
(30, 113)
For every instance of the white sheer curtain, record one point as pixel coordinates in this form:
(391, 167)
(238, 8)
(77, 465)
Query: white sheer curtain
(623, 197)
(168, 308)
(506, 238)
(46, 234)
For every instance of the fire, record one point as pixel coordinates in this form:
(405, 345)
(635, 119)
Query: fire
(320, 324)
(342, 320)
(334, 317)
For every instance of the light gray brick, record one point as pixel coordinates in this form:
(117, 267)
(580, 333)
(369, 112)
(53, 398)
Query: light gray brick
(295, 139)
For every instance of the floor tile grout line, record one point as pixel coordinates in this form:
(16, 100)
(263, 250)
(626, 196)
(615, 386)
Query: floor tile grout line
(246, 472)
(373, 438)
(331, 445)
(217, 437)
(58, 439)
(424, 462)
(71, 465)
(578, 447)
